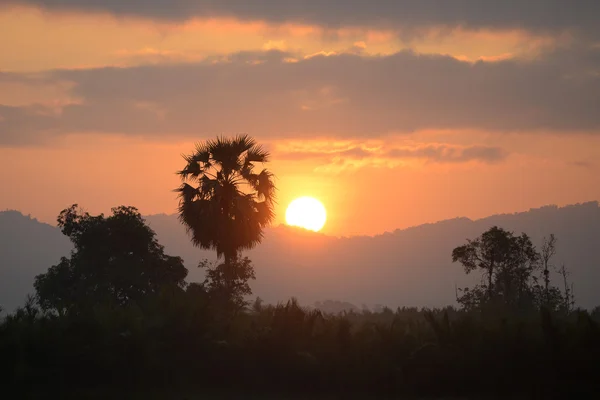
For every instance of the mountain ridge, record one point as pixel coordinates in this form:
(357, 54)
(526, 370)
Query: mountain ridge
(595, 203)
(410, 266)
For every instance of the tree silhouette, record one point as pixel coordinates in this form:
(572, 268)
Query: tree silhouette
(568, 297)
(116, 259)
(508, 263)
(224, 203)
(548, 251)
(228, 284)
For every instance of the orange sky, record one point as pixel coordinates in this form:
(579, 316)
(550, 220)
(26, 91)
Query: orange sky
(388, 131)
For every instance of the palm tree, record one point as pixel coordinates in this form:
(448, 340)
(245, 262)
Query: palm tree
(224, 203)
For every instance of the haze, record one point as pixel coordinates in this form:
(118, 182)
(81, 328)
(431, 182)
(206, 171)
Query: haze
(410, 267)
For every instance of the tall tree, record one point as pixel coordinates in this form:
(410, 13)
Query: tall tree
(548, 251)
(225, 203)
(231, 290)
(115, 259)
(568, 298)
(508, 263)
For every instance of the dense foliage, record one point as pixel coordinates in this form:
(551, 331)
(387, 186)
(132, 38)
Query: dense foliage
(116, 259)
(175, 341)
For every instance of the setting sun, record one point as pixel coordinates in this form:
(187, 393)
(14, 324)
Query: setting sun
(306, 212)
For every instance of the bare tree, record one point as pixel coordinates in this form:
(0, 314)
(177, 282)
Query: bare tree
(569, 297)
(548, 251)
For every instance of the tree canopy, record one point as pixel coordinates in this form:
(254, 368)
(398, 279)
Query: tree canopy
(224, 201)
(115, 259)
(508, 263)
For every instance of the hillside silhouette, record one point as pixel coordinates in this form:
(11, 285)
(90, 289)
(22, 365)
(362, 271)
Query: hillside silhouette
(28, 247)
(407, 267)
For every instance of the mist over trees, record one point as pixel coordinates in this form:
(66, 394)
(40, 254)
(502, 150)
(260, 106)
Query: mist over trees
(120, 306)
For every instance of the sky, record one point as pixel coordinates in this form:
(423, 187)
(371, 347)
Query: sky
(392, 113)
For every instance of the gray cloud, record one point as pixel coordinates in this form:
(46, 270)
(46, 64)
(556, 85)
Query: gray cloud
(22, 126)
(451, 154)
(342, 95)
(538, 15)
(26, 78)
(326, 155)
(438, 153)
(582, 164)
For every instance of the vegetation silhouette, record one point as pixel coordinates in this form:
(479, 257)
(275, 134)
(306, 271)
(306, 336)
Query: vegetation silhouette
(117, 318)
(116, 260)
(512, 270)
(225, 204)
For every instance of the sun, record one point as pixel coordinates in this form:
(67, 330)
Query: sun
(306, 212)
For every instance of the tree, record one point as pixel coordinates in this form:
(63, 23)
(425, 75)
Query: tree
(508, 263)
(548, 251)
(116, 259)
(568, 298)
(224, 203)
(550, 296)
(227, 283)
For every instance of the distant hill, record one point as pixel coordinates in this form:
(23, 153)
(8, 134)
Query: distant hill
(410, 267)
(27, 248)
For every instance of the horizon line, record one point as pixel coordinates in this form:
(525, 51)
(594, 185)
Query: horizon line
(285, 226)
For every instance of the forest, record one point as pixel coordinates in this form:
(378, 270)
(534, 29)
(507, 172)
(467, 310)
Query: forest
(118, 318)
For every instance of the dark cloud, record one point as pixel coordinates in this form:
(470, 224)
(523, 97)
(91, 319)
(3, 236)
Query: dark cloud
(341, 95)
(539, 15)
(23, 126)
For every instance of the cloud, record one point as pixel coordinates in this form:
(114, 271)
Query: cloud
(27, 125)
(325, 154)
(149, 55)
(538, 15)
(451, 154)
(341, 95)
(582, 164)
(388, 155)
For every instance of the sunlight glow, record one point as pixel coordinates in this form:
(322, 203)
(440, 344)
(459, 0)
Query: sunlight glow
(306, 212)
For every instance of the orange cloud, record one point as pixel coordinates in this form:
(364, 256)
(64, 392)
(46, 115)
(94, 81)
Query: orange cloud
(339, 156)
(36, 40)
